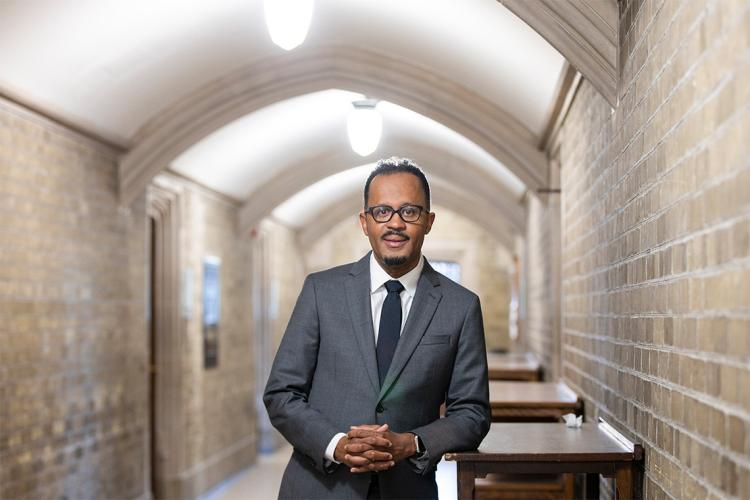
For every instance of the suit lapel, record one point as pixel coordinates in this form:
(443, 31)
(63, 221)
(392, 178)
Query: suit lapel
(423, 307)
(358, 298)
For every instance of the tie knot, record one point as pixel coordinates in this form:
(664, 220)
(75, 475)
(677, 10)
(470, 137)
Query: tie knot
(394, 286)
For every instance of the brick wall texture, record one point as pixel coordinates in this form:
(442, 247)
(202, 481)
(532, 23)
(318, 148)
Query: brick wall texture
(74, 345)
(217, 403)
(286, 274)
(656, 245)
(280, 274)
(538, 334)
(73, 387)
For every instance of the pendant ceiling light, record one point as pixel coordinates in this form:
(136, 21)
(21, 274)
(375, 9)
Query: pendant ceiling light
(364, 126)
(288, 21)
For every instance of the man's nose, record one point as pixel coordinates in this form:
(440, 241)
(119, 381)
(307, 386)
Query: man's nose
(396, 221)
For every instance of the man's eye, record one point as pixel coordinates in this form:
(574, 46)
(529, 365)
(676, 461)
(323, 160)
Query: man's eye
(379, 211)
(409, 211)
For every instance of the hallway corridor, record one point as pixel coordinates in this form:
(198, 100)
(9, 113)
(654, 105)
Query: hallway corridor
(172, 172)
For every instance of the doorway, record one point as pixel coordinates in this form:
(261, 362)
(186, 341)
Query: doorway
(165, 325)
(152, 366)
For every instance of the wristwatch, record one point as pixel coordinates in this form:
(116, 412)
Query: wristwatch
(419, 445)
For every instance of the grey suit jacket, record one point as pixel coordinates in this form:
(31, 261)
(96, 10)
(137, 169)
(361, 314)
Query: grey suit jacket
(325, 379)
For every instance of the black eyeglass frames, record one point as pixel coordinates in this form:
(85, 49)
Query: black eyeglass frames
(384, 213)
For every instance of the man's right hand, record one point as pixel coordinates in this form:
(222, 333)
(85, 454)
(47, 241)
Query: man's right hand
(365, 456)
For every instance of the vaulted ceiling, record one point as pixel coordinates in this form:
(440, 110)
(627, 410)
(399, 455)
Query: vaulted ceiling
(113, 66)
(198, 87)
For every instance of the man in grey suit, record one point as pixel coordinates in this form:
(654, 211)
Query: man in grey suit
(371, 352)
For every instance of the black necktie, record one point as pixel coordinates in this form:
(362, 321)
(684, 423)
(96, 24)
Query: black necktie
(390, 327)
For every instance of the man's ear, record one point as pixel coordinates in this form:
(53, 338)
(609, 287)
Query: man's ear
(430, 221)
(363, 222)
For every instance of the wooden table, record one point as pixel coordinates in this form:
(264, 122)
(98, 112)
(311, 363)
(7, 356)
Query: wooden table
(525, 402)
(513, 366)
(539, 448)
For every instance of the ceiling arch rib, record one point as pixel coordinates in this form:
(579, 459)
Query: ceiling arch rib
(318, 68)
(583, 31)
(444, 194)
(437, 163)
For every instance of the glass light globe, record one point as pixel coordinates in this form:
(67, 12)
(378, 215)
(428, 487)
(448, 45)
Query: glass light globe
(364, 126)
(288, 21)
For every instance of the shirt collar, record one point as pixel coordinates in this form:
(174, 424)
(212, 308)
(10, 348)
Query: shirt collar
(378, 276)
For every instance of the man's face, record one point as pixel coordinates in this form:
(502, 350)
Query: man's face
(396, 244)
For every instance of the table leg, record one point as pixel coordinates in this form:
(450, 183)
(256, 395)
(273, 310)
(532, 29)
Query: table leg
(465, 472)
(592, 486)
(624, 482)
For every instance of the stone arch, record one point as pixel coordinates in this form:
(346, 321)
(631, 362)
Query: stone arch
(318, 68)
(439, 163)
(583, 31)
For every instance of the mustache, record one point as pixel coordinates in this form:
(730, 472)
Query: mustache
(391, 232)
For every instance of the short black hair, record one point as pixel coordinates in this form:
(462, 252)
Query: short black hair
(395, 165)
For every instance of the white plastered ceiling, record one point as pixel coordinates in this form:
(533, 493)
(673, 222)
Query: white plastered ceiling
(112, 67)
(255, 148)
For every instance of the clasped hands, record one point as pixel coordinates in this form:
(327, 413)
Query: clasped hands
(373, 448)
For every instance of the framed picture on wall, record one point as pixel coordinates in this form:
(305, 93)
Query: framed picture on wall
(211, 310)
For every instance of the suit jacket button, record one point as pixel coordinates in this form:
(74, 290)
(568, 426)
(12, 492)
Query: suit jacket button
(379, 408)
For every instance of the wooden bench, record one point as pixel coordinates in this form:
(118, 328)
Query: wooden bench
(545, 448)
(529, 402)
(513, 366)
(532, 402)
(525, 487)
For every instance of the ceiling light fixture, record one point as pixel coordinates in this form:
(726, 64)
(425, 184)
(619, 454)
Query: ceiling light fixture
(288, 21)
(364, 126)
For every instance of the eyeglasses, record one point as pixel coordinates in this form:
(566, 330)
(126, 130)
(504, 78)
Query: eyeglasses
(384, 213)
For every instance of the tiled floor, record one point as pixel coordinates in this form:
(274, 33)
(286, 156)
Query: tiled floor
(261, 481)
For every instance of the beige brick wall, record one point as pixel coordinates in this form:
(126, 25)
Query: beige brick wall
(538, 333)
(280, 273)
(286, 275)
(656, 246)
(219, 410)
(73, 390)
(73, 336)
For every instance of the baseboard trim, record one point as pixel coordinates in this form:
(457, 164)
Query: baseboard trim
(208, 473)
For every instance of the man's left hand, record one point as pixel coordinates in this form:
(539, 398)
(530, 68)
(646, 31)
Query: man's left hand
(402, 443)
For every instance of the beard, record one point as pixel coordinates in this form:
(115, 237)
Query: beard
(394, 261)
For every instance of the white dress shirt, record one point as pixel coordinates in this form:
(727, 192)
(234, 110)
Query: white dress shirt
(378, 293)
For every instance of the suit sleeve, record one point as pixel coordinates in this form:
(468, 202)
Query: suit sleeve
(467, 415)
(288, 387)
